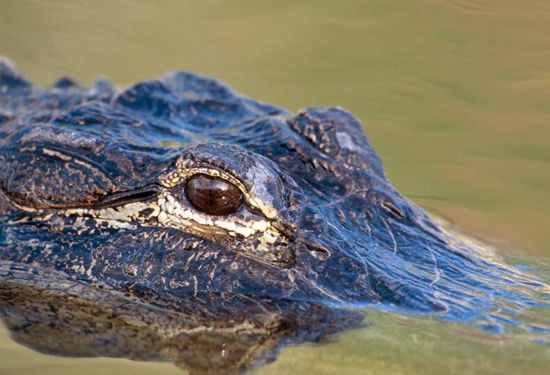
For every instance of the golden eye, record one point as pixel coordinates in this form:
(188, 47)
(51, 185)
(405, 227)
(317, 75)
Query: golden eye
(213, 195)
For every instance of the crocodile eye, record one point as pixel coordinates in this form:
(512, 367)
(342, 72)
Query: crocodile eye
(213, 195)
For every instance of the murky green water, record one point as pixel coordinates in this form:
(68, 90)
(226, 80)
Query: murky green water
(454, 94)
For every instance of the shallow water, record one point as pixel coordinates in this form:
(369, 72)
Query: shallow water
(390, 344)
(454, 95)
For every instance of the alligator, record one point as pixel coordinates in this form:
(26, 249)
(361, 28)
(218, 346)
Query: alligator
(177, 213)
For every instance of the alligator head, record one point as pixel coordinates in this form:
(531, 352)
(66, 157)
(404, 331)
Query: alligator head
(181, 188)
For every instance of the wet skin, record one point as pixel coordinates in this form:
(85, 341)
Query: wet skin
(181, 194)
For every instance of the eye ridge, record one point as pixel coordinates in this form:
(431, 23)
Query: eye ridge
(213, 195)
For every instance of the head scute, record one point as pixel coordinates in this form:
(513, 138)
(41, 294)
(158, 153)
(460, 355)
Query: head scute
(338, 135)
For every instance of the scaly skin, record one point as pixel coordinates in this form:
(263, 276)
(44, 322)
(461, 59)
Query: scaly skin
(92, 192)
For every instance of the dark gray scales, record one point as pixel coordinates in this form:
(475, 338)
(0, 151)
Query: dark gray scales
(338, 235)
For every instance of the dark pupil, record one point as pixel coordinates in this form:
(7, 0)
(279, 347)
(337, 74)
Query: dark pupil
(213, 195)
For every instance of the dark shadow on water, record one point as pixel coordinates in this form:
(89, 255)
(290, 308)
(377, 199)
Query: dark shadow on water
(57, 316)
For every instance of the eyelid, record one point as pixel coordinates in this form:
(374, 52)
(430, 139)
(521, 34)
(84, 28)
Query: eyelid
(181, 176)
(213, 172)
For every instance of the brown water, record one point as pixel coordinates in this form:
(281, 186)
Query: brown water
(454, 94)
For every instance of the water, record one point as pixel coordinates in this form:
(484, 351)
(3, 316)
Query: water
(454, 95)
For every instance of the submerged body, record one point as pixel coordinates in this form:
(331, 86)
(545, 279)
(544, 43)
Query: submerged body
(182, 195)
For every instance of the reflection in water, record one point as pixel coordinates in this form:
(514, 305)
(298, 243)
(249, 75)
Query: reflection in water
(55, 315)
